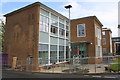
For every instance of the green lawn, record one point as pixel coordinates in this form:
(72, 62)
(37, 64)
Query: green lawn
(116, 66)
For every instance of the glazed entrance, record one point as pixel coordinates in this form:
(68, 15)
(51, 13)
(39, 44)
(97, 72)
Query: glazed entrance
(79, 50)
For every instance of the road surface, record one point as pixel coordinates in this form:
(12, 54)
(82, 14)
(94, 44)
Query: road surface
(19, 74)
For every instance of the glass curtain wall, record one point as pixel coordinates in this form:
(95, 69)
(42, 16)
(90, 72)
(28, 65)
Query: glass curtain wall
(53, 54)
(54, 24)
(43, 54)
(58, 39)
(44, 20)
(61, 53)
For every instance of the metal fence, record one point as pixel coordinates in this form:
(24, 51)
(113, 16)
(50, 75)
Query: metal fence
(86, 65)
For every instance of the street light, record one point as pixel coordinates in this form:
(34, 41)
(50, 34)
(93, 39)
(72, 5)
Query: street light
(68, 7)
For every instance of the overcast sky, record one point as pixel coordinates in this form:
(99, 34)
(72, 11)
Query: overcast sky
(105, 10)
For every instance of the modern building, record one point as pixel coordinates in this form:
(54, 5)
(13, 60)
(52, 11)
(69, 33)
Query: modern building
(86, 38)
(38, 34)
(117, 42)
(106, 41)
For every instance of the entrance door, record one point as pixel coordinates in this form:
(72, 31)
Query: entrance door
(79, 49)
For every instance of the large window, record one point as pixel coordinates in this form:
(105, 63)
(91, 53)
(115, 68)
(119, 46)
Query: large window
(54, 30)
(53, 54)
(67, 29)
(44, 20)
(61, 32)
(61, 23)
(99, 33)
(81, 30)
(98, 51)
(44, 23)
(54, 20)
(104, 41)
(61, 41)
(67, 34)
(43, 54)
(54, 23)
(61, 53)
(98, 45)
(42, 11)
(67, 52)
(67, 25)
(104, 51)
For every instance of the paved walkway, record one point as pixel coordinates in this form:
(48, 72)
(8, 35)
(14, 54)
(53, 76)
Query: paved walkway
(76, 69)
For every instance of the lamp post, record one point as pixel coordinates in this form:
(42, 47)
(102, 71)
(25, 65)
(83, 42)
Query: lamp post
(68, 7)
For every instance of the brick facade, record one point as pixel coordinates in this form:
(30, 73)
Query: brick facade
(90, 37)
(21, 34)
(108, 44)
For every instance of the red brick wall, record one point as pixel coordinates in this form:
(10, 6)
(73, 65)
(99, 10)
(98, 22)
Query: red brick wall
(21, 34)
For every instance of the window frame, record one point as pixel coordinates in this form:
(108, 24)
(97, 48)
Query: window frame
(84, 31)
(54, 30)
(103, 42)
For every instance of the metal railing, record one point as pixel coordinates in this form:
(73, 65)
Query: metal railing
(86, 65)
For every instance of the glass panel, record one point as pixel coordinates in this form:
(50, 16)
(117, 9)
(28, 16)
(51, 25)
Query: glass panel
(53, 54)
(43, 57)
(81, 30)
(43, 37)
(42, 11)
(67, 52)
(99, 32)
(61, 41)
(104, 51)
(61, 56)
(61, 20)
(53, 48)
(67, 42)
(54, 30)
(67, 22)
(54, 17)
(61, 32)
(43, 47)
(44, 23)
(53, 40)
(61, 48)
(104, 41)
(67, 27)
(99, 42)
(55, 23)
(61, 25)
(67, 34)
(53, 57)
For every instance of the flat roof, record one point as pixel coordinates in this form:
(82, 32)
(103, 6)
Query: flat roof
(106, 29)
(94, 17)
(29, 6)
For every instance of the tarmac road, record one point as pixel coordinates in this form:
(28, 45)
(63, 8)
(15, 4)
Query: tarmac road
(19, 74)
